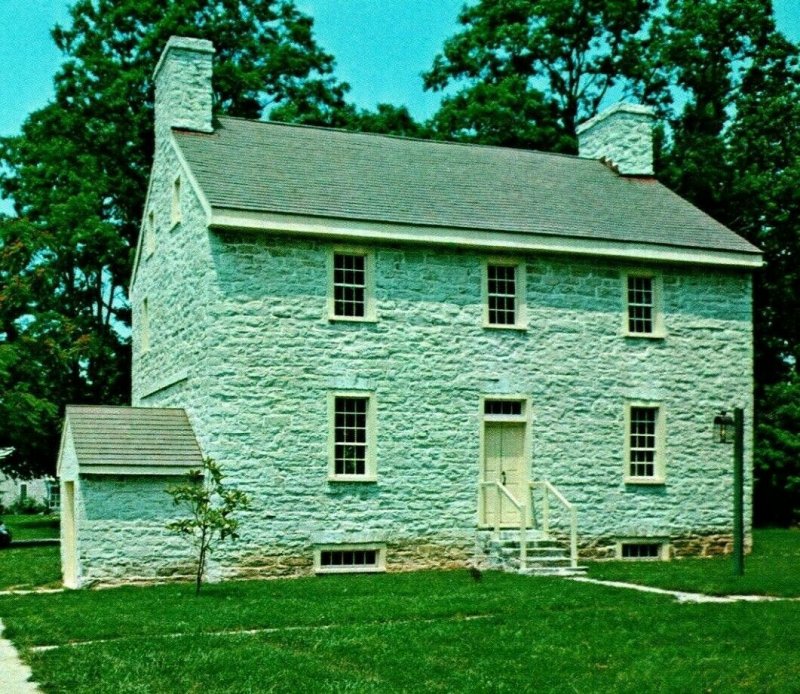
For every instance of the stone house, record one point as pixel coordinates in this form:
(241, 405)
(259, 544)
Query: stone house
(407, 350)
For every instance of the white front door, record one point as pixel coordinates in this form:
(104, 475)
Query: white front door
(504, 462)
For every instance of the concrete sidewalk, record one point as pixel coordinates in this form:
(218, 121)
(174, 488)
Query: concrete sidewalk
(14, 674)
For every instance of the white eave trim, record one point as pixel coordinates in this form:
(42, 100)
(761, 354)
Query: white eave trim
(142, 470)
(362, 231)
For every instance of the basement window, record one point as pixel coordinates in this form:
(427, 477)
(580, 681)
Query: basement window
(640, 550)
(349, 559)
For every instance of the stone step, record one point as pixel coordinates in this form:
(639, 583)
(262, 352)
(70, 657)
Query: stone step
(552, 571)
(532, 549)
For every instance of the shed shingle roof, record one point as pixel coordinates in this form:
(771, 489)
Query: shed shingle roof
(275, 167)
(140, 437)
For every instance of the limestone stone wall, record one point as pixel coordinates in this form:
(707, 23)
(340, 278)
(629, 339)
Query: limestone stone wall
(266, 357)
(122, 533)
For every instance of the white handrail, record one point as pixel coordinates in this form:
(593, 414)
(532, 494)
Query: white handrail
(547, 486)
(523, 516)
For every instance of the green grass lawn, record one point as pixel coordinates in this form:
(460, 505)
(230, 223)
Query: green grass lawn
(23, 568)
(430, 631)
(773, 568)
(30, 567)
(31, 527)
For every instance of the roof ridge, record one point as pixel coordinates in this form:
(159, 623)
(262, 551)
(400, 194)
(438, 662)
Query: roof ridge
(390, 136)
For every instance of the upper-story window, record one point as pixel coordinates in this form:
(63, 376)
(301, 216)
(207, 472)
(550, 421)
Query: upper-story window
(176, 212)
(504, 295)
(643, 314)
(351, 286)
(644, 443)
(149, 234)
(144, 328)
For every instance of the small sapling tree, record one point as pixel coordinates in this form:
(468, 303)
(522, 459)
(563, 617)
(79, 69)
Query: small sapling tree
(212, 507)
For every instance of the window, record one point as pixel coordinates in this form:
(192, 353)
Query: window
(144, 328)
(349, 559)
(643, 315)
(640, 550)
(149, 235)
(352, 454)
(503, 295)
(351, 291)
(503, 408)
(176, 201)
(53, 495)
(644, 443)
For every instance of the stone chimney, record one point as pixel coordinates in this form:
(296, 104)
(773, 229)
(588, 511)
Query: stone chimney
(183, 86)
(621, 136)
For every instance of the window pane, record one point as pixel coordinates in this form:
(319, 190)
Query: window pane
(350, 432)
(349, 285)
(501, 290)
(640, 304)
(642, 442)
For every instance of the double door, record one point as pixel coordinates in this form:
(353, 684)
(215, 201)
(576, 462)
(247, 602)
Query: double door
(504, 462)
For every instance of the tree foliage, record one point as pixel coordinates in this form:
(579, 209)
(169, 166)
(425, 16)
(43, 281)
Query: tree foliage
(78, 174)
(528, 71)
(211, 507)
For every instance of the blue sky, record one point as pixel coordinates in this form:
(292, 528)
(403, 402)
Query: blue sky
(381, 47)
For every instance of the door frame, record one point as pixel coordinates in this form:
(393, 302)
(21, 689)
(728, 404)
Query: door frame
(526, 419)
(69, 535)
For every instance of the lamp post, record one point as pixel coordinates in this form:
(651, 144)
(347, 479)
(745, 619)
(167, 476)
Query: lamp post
(729, 429)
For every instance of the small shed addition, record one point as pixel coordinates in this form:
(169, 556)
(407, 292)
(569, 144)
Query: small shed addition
(114, 465)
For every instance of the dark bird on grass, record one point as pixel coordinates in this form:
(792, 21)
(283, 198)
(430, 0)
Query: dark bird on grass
(475, 572)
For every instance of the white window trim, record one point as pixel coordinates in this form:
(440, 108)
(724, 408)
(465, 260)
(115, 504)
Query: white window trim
(149, 235)
(521, 312)
(176, 211)
(370, 313)
(371, 474)
(379, 567)
(663, 548)
(659, 476)
(659, 330)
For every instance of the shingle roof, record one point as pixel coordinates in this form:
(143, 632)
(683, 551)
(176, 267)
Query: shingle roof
(140, 437)
(275, 167)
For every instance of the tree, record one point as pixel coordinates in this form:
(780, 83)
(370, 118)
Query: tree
(212, 507)
(777, 460)
(528, 71)
(699, 54)
(78, 175)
